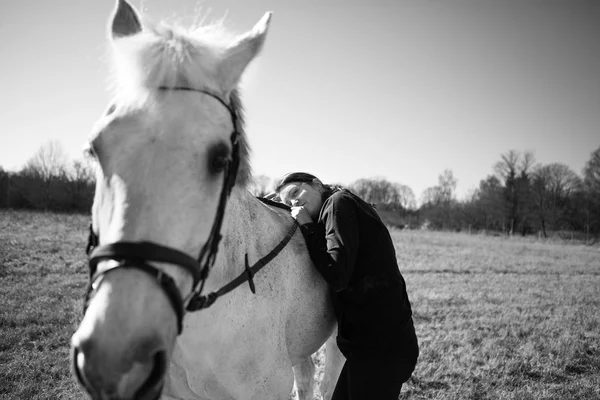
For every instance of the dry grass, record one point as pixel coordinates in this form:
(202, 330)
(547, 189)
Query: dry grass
(501, 318)
(42, 275)
(497, 318)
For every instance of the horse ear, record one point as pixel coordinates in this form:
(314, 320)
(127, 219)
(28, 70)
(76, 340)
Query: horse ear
(125, 20)
(238, 55)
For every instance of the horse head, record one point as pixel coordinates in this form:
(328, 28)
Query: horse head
(169, 149)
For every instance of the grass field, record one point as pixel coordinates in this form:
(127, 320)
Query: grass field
(497, 318)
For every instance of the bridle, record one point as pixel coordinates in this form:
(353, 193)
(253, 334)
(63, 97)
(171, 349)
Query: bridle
(138, 255)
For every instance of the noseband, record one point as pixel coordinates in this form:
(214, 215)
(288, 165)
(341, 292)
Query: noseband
(138, 255)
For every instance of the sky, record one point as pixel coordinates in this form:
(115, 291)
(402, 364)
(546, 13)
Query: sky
(345, 89)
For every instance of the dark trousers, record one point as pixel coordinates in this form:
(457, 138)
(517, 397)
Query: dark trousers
(375, 375)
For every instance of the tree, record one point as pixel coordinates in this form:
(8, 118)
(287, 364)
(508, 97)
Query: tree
(591, 193)
(552, 188)
(4, 188)
(487, 208)
(392, 196)
(45, 176)
(438, 203)
(48, 162)
(81, 187)
(82, 171)
(431, 196)
(406, 196)
(395, 202)
(591, 172)
(447, 186)
(513, 170)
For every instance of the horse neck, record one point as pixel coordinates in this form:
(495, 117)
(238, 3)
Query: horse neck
(249, 227)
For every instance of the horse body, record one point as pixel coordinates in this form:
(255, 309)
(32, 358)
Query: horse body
(244, 346)
(163, 158)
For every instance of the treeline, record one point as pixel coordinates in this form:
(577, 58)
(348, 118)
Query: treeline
(49, 182)
(520, 196)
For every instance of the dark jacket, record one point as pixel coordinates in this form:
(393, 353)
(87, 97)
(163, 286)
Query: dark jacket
(353, 251)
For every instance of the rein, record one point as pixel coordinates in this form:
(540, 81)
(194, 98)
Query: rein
(137, 255)
(200, 302)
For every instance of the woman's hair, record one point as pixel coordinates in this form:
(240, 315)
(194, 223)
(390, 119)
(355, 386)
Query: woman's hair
(296, 177)
(305, 177)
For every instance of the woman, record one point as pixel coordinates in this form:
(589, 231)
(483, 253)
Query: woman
(352, 249)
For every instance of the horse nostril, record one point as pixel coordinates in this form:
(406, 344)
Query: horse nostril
(152, 387)
(78, 367)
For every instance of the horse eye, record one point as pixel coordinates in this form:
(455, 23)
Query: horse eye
(218, 158)
(219, 163)
(111, 109)
(89, 152)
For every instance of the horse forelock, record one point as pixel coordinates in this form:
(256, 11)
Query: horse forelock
(165, 56)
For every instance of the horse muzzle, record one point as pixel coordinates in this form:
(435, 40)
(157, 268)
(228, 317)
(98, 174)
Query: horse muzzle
(139, 377)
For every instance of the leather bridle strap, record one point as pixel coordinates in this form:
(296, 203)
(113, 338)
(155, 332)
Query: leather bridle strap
(137, 255)
(112, 251)
(147, 251)
(200, 302)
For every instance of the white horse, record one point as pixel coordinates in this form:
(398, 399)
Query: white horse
(167, 162)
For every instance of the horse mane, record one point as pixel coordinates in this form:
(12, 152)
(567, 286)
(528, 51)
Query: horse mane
(273, 203)
(167, 56)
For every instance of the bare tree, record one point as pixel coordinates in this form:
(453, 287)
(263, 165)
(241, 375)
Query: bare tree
(488, 204)
(406, 196)
(431, 196)
(81, 184)
(591, 191)
(552, 188)
(48, 162)
(393, 196)
(562, 181)
(447, 186)
(591, 172)
(507, 167)
(527, 163)
(513, 170)
(374, 190)
(4, 188)
(83, 171)
(45, 175)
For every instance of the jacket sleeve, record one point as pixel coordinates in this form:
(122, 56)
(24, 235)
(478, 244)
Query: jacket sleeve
(333, 241)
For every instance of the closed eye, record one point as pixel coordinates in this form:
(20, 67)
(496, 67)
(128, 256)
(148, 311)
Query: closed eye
(290, 196)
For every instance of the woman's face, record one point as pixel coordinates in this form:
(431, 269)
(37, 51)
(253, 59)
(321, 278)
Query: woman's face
(302, 194)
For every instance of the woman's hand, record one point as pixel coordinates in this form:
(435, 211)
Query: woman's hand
(301, 215)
